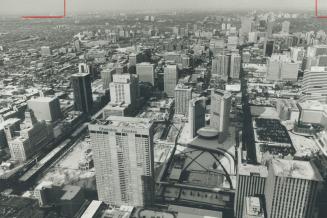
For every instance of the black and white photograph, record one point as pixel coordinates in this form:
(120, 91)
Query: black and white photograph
(163, 108)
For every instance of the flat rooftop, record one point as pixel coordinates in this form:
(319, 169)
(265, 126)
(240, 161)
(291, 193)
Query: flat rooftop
(312, 105)
(248, 169)
(124, 122)
(296, 169)
(80, 74)
(43, 99)
(71, 192)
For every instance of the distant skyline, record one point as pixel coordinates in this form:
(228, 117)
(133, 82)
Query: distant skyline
(48, 7)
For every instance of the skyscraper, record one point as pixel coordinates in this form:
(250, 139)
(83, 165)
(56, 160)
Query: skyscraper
(286, 27)
(123, 159)
(196, 115)
(235, 66)
(45, 108)
(220, 66)
(124, 89)
(247, 25)
(146, 72)
(268, 48)
(314, 84)
(183, 95)
(82, 89)
(220, 109)
(251, 180)
(170, 79)
(270, 27)
(106, 76)
(291, 188)
(281, 67)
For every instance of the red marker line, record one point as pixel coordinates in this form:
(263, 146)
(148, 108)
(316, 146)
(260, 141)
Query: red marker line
(48, 17)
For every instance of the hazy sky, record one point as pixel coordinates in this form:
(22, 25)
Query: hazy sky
(54, 6)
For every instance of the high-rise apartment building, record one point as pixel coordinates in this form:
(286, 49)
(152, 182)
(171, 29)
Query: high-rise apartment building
(170, 79)
(196, 115)
(291, 189)
(146, 72)
(251, 180)
(314, 84)
(124, 89)
(280, 67)
(106, 77)
(82, 89)
(123, 159)
(235, 66)
(220, 66)
(183, 95)
(286, 27)
(220, 110)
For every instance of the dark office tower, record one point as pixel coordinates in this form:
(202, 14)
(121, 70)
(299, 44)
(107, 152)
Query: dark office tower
(83, 100)
(250, 181)
(196, 115)
(268, 48)
(291, 189)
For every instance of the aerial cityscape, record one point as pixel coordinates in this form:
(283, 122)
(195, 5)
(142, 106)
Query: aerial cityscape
(183, 112)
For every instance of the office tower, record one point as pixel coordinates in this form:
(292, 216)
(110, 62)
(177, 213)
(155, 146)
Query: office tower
(106, 76)
(124, 89)
(270, 27)
(314, 84)
(268, 48)
(83, 68)
(135, 58)
(235, 66)
(286, 27)
(45, 51)
(250, 181)
(247, 25)
(246, 57)
(146, 72)
(82, 89)
(232, 42)
(176, 30)
(186, 61)
(220, 110)
(291, 188)
(281, 67)
(196, 115)
(45, 108)
(220, 66)
(289, 71)
(123, 159)
(273, 69)
(170, 79)
(33, 135)
(253, 37)
(183, 95)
